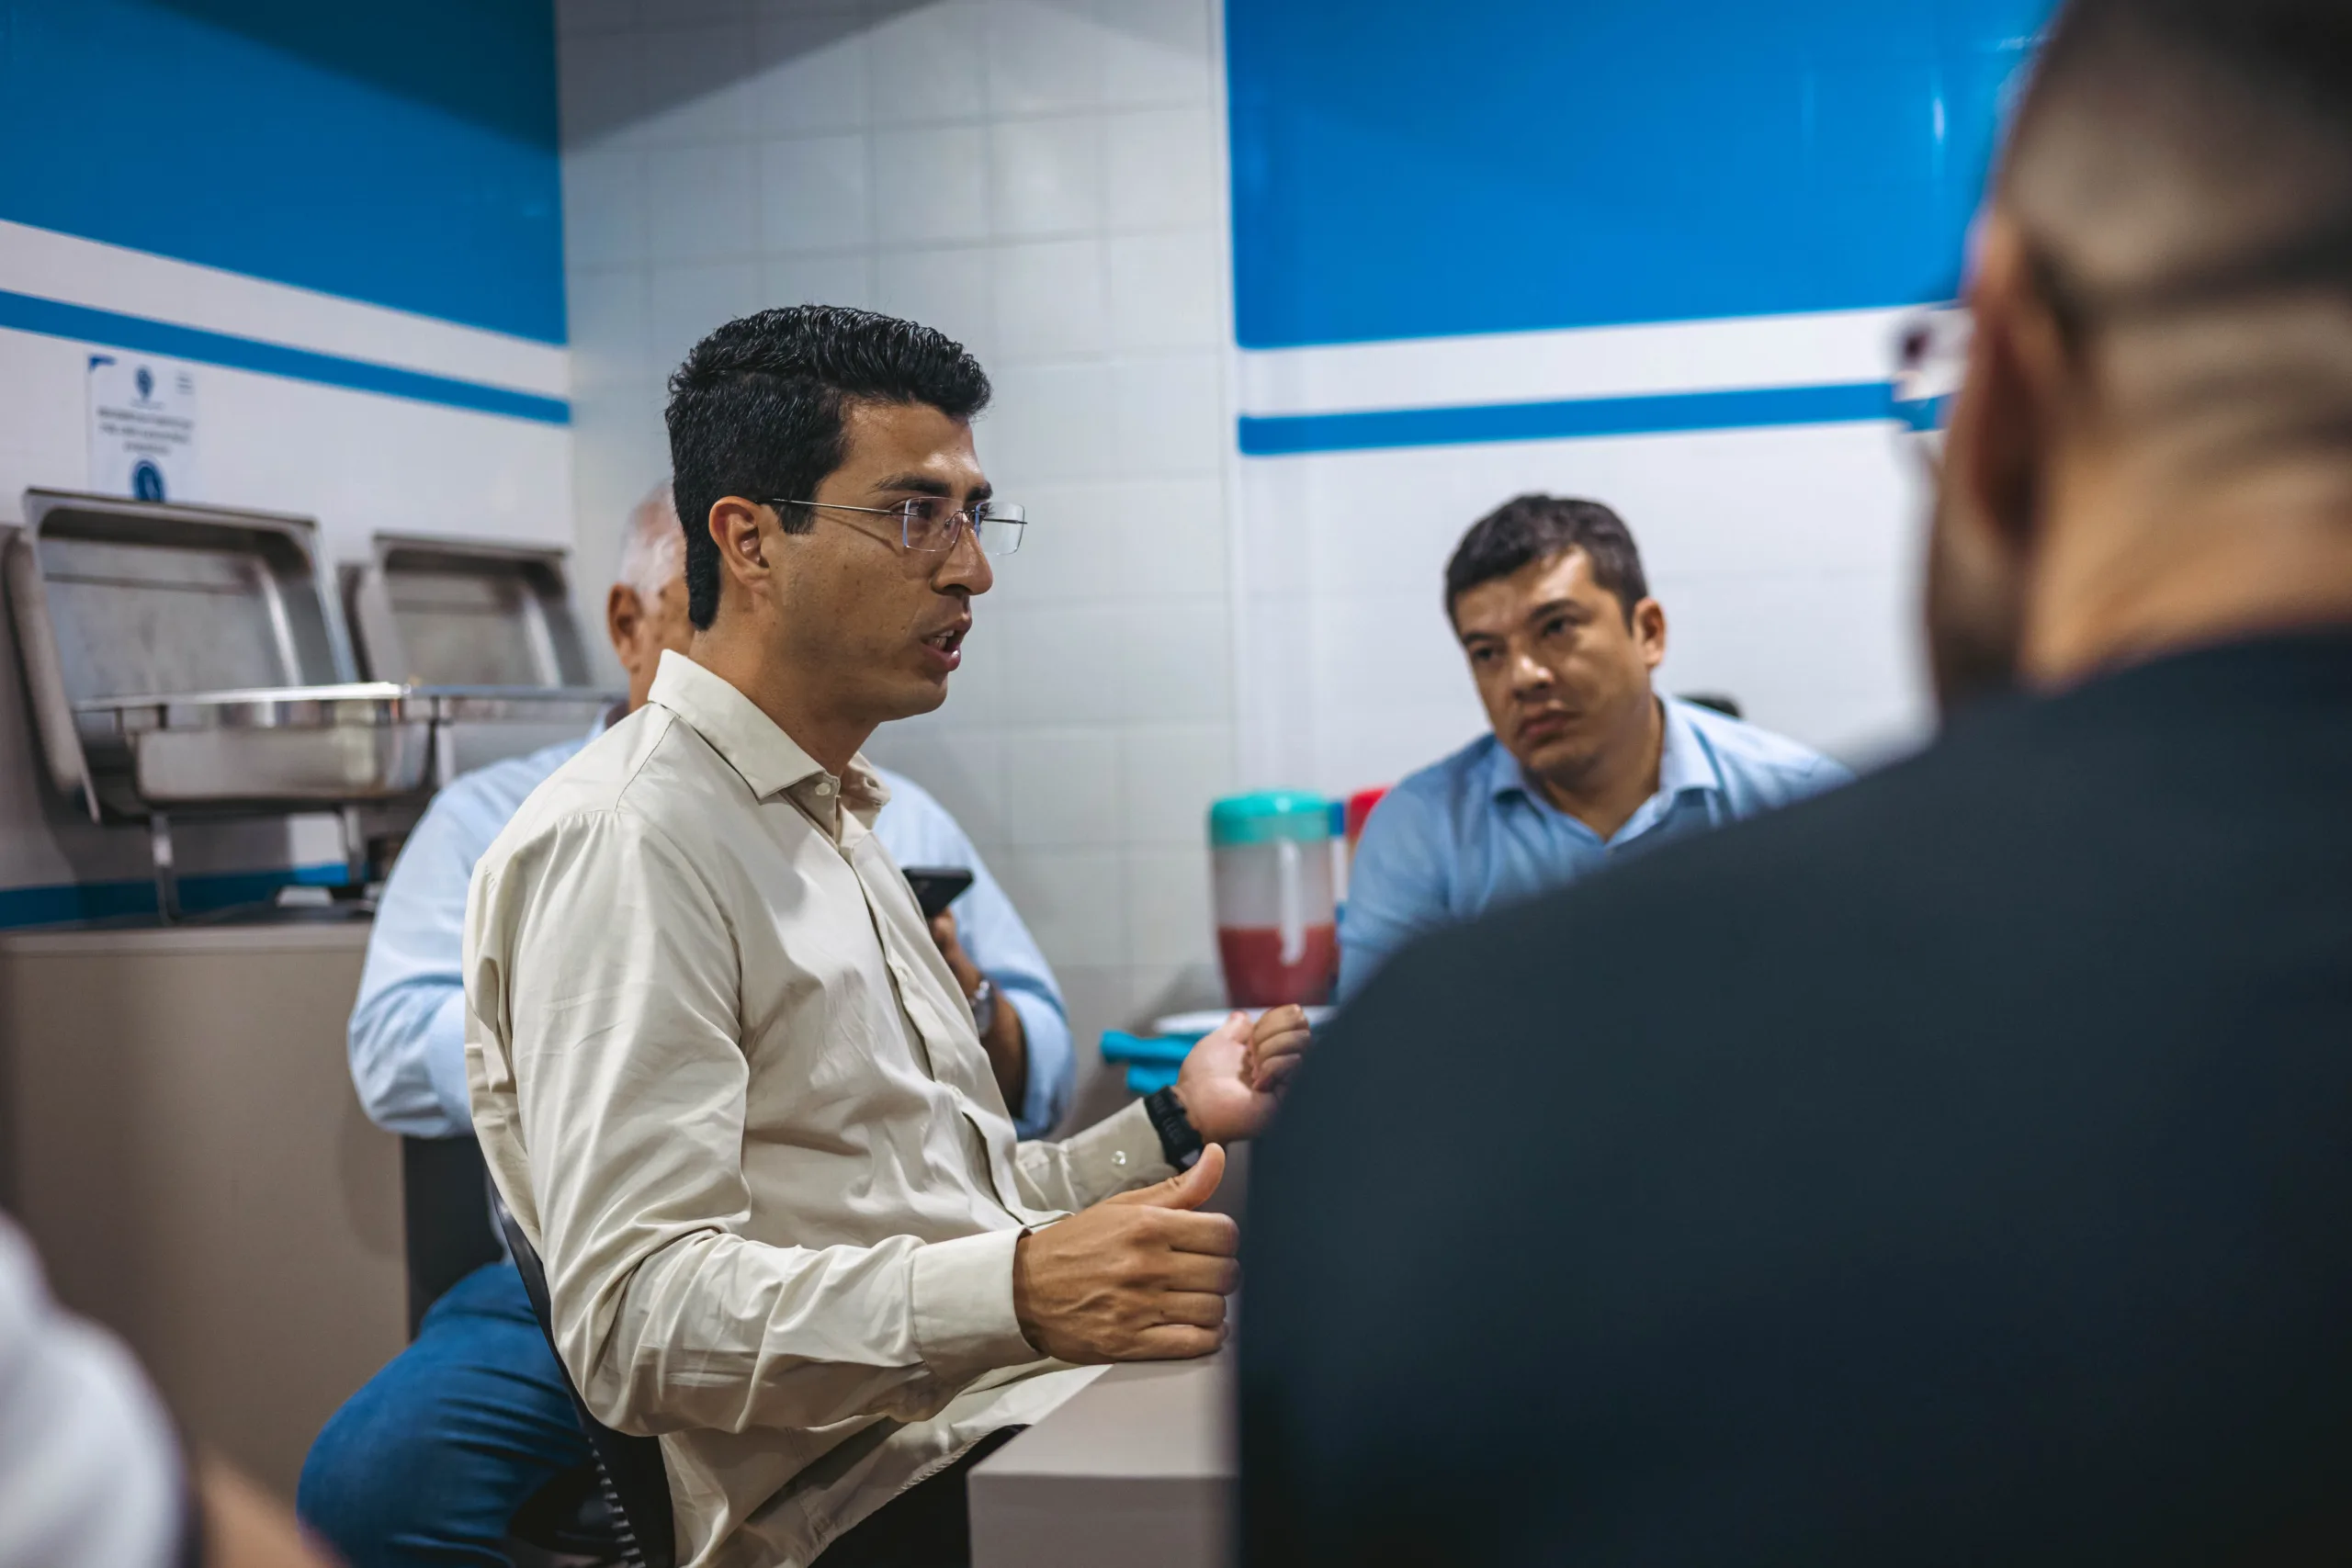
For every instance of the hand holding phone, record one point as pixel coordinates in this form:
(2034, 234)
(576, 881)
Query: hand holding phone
(936, 887)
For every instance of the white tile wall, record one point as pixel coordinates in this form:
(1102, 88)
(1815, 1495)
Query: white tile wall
(1043, 180)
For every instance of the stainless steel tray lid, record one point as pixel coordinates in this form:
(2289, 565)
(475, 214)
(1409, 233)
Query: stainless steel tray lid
(140, 597)
(437, 611)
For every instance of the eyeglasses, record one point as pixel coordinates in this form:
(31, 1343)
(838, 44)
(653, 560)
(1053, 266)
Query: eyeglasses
(928, 523)
(1931, 362)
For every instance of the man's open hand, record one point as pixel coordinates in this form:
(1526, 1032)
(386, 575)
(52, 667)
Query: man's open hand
(1232, 1079)
(1137, 1278)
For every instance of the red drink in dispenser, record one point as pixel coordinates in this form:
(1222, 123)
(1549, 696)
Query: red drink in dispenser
(1258, 975)
(1272, 864)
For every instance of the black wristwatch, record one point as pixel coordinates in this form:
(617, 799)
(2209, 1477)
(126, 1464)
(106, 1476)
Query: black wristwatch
(1178, 1139)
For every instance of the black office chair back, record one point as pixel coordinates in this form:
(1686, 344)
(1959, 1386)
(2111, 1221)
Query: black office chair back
(444, 1197)
(636, 1481)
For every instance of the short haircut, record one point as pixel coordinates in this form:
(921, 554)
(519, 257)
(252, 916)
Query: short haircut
(2187, 166)
(652, 547)
(1537, 527)
(756, 412)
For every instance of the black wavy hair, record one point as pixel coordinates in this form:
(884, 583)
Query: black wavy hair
(756, 410)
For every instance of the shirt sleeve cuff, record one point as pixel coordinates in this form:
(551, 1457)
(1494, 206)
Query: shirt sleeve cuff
(1116, 1154)
(1049, 1063)
(964, 1320)
(445, 1064)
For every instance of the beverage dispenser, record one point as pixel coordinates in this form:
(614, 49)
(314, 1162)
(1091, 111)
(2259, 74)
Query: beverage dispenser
(1271, 856)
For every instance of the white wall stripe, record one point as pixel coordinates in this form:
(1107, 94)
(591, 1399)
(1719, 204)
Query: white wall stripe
(111, 278)
(1817, 349)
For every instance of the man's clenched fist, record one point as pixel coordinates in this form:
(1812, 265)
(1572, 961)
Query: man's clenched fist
(1141, 1277)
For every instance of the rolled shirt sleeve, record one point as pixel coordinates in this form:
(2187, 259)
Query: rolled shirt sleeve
(627, 1087)
(1053, 1063)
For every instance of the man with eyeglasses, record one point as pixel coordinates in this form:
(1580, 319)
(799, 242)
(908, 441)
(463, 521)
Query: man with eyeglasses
(722, 1076)
(1956, 1168)
(432, 1459)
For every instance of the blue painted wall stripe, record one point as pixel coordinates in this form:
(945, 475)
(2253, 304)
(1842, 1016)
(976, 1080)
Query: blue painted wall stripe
(54, 318)
(1281, 435)
(71, 901)
(1402, 169)
(403, 154)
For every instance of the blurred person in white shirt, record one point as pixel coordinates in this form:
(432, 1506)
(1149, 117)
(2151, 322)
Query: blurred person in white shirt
(92, 1474)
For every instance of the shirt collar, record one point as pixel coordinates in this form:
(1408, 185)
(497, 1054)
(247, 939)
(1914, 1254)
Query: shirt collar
(770, 762)
(1685, 764)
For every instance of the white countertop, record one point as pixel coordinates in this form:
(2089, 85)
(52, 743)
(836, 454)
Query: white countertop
(1137, 1469)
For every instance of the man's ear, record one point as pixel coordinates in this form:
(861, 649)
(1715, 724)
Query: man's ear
(735, 528)
(623, 617)
(1996, 457)
(1649, 631)
(1997, 450)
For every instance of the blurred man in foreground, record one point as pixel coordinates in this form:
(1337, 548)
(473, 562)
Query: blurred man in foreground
(430, 1461)
(1584, 763)
(1954, 1168)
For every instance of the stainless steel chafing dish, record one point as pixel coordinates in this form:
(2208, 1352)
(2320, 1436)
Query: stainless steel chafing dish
(488, 629)
(323, 746)
(191, 659)
(187, 657)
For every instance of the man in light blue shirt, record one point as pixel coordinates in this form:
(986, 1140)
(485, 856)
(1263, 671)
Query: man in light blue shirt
(430, 1461)
(1585, 762)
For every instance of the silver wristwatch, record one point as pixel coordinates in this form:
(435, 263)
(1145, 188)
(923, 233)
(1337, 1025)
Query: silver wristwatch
(984, 1007)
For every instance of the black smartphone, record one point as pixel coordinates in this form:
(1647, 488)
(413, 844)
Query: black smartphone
(936, 887)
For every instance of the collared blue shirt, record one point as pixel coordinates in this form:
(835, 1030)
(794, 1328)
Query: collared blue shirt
(407, 1029)
(1466, 834)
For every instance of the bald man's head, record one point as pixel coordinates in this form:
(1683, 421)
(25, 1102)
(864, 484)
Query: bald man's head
(645, 613)
(2154, 445)
(2183, 171)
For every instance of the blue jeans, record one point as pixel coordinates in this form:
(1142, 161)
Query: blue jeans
(428, 1462)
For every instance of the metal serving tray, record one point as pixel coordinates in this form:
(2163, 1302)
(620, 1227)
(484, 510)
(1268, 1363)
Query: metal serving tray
(283, 746)
(189, 659)
(475, 725)
(117, 599)
(439, 612)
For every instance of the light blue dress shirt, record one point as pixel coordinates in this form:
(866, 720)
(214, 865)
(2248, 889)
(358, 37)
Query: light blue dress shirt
(408, 1029)
(1466, 834)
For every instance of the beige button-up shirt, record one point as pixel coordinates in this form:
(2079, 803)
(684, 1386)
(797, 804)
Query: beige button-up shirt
(732, 1092)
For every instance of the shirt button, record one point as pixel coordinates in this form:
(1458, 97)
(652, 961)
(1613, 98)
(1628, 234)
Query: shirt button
(824, 786)
(1118, 1156)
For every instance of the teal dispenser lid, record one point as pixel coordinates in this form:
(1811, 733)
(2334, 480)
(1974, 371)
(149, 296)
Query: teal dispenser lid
(1269, 817)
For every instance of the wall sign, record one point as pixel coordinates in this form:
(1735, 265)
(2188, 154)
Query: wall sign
(142, 427)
